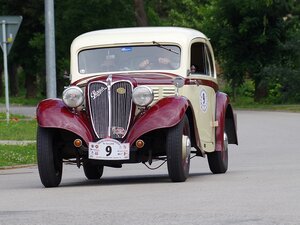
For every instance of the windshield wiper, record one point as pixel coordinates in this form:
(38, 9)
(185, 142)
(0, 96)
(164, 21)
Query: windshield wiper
(161, 46)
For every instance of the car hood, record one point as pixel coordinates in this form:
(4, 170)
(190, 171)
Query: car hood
(135, 78)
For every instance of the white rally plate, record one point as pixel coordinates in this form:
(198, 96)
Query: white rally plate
(108, 149)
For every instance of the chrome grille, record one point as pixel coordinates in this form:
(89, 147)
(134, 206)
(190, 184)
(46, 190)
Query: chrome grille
(110, 111)
(121, 102)
(155, 93)
(162, 92)
(168, 91)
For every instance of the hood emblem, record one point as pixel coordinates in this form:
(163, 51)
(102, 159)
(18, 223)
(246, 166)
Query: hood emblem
(97, 93)
(119, 131)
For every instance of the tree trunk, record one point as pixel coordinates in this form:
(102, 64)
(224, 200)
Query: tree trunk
(1, 82)
(233, 88)
(30, 85)
(261, 90)
(13, 80)
(140, 14)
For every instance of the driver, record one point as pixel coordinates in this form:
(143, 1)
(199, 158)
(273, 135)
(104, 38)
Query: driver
(161, 62)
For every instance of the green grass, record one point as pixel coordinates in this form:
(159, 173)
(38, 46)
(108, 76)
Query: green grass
(12, 155)
(22, 101)
(18, 128)
(263, 107)
(284, 108)
(249, 104)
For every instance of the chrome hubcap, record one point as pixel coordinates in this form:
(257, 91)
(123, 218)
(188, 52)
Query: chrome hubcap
(225, 142)
(186, 149)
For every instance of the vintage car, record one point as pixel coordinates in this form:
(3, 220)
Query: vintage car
(137, 95)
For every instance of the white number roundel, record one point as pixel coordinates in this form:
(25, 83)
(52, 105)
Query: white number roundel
(203, 100)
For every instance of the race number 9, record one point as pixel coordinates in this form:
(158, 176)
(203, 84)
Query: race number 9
(108, 150)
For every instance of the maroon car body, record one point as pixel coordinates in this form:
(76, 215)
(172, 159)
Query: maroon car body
(134, 115)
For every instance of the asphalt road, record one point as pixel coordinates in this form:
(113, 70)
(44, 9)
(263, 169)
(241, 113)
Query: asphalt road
(262, 186)
(20, 110)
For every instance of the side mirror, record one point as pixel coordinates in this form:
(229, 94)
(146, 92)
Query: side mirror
(188, 72)
(178, 83)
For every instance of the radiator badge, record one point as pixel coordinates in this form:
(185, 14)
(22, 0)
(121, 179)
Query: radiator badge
(119, 131)
(121, 90)
(97, 93)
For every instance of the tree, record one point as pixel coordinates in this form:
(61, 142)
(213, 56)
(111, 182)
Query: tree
(284, 76)
(188, 13)
(140, 14)
(23, 53)
(74, 17)
(247, 36)
(1, 78)
(256, 39)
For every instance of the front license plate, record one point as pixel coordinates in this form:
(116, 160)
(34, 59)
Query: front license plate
(108, 149)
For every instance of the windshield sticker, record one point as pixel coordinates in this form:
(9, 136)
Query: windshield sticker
(108, 57)
(126, 49)
(203, 100)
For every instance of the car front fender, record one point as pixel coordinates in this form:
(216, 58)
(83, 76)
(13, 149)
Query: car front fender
(52, 113)
(165, 113)
(226, 120)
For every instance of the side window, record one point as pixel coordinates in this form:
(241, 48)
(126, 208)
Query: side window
(201, 60)
(209, 61)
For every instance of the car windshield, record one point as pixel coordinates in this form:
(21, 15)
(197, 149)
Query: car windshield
(128, 58)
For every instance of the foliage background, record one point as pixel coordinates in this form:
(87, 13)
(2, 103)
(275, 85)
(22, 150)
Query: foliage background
(256, 42)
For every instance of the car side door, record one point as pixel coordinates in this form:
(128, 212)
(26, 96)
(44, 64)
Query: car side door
(201, 91)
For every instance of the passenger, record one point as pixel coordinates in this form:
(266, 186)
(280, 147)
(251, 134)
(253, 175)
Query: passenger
(108, 64)
(145, 65)
(160, 63)
(193, 69)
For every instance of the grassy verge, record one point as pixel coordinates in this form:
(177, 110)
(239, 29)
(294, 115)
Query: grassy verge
(248, 104)
(22, 100)
(12, 155)
(19, 128)
(284, 108)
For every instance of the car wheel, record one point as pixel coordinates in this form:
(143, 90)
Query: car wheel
(178, 148)
(49, 158)
(92, 172)
(218, 160)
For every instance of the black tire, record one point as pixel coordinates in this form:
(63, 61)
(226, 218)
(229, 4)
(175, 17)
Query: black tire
(218, 160)
(92, 172)
(49, 158)
(178, 149)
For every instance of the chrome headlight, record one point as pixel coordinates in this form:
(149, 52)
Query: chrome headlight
(142, 95)
(73, 96)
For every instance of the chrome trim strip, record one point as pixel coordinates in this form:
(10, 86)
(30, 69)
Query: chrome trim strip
(109, 84)
(111, 111)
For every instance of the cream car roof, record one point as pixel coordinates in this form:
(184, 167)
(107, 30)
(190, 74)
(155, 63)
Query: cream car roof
(131, 36)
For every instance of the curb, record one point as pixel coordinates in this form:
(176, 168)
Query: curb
(17, 167)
